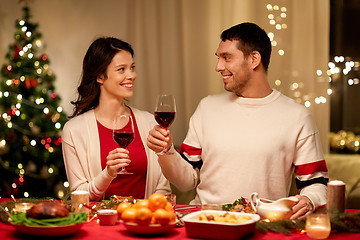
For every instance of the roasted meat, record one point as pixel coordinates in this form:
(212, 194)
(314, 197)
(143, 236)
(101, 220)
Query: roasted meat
(47, 209)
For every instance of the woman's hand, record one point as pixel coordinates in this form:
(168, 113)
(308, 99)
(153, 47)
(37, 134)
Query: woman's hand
(302, 208)
(117, 158)
(159, 139)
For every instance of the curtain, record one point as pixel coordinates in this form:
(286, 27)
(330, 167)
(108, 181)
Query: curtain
(175, 43)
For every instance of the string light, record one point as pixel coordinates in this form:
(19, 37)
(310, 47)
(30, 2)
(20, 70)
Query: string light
(57, 125)
(38, 43)
(277, 17)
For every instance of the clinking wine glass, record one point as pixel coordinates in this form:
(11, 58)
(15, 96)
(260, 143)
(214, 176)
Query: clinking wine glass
(165, 111)
(123, 134)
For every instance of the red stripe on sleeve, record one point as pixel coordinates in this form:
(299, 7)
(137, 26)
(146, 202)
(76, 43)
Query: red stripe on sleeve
(190, 150)
(309, 168)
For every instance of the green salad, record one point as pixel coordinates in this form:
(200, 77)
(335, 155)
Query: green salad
(73, 218)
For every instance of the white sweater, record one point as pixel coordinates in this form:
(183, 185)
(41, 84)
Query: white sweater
(81, 150)
(249, 145)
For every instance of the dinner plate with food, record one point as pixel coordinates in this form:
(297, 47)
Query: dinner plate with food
(154, 215)
(48, 218)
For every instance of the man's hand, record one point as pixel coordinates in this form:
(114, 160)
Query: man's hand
(302, 208)
(159, 139)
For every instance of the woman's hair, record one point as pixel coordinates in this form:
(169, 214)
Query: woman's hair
(96, 60)
(251, 38)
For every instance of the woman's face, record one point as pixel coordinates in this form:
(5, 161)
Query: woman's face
(120, 77)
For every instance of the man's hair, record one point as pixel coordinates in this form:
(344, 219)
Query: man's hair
(251, 38)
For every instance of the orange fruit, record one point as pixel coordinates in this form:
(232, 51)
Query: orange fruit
(156, 201)
(121, 207)
(172, 217)
(162, 216)
(129, 215)
(153, 219)
(141, 203)
(143, 216)
(169, 207)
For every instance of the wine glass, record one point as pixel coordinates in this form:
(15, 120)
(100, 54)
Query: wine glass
(165, 111)
(123, 133)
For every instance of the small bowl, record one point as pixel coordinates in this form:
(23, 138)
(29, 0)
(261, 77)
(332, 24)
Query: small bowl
(23, 207)
(107, 216)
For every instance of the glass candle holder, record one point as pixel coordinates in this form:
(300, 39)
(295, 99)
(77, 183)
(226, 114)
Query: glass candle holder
(318, 226)
(171, 198)
(23, 207)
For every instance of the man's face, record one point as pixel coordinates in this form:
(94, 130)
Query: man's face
(233, 67)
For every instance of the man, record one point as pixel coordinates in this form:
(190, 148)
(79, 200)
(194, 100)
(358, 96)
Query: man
(249, 139)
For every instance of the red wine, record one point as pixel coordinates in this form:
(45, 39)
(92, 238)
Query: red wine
(123, 138)
(164, 119)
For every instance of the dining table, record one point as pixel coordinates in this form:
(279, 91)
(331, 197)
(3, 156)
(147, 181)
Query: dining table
(93, 230)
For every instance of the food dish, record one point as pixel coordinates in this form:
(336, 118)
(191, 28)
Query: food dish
(148, 229)
(107, 216)
(46, 231)
(219, 230)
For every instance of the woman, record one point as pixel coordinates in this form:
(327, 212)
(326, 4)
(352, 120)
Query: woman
(92, 158)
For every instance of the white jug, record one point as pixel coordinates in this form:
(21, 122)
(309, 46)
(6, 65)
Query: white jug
(273, 210)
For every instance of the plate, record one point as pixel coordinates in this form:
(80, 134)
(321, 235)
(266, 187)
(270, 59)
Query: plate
(148, 229)
(48, 231)
(219, 230)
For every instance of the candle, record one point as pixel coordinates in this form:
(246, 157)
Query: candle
(335, 197)
(78, 198)
(23, 207)
(318, 226)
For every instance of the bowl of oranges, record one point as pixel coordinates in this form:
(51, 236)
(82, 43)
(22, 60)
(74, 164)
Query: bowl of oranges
(147, 216)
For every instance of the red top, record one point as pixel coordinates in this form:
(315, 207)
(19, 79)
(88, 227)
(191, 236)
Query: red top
(125, 184)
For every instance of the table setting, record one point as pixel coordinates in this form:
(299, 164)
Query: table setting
(159, 217)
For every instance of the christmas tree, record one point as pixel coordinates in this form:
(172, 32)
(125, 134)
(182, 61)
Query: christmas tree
(30, 119)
